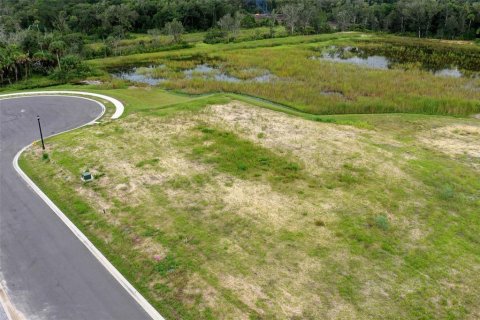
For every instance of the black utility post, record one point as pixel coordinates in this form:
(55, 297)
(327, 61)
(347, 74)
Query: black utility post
(41, 135)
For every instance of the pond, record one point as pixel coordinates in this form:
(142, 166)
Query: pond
(139, 74)
(155, 74)
(208, 72)
(346, 55)
(359, 57)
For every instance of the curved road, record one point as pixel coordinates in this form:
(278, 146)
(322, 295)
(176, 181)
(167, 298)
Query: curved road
(48, 272)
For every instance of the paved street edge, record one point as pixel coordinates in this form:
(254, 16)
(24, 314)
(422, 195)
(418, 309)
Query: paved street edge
(119, 109)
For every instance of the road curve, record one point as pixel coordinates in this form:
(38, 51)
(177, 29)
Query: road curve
(48, 273)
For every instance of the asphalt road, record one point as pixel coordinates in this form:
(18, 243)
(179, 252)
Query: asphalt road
(48, 272)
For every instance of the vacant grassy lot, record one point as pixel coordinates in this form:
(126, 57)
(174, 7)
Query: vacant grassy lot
(299, 80)
(215, 208)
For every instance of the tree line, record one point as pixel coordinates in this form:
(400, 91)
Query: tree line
(101, 18)
(48, 36)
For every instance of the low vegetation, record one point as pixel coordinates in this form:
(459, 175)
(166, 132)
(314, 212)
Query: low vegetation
(36, 35)
(215, 208)
(291, 74)
(250, 176)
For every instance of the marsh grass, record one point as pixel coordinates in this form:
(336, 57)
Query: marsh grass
(299, 82)
(363, 91)
(432, 54)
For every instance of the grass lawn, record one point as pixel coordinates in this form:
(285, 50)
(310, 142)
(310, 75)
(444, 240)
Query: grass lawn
(220, 206)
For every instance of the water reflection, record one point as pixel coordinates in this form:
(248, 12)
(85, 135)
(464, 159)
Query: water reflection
(140, 75)
(375, 62)
(207, 71)
(152, 75)
(455, 73)
(357, 57)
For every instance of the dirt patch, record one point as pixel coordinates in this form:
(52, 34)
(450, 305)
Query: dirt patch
(259, 202)
(341, 310)
(246, 291)
(455, 140)
(321, 147)
(305, 139)
(150, 247)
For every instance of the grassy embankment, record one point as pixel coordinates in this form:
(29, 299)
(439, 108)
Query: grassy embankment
(237, 211)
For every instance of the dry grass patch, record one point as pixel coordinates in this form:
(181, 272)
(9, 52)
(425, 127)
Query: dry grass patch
(321, 147)
(454, 140)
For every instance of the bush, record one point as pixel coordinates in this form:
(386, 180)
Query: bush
(75, 42)
(382, 222)
(248, 21)
(42, 62)
(72, 68)
(214, 35)
(447, 192)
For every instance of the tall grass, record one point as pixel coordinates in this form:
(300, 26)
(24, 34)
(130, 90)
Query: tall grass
(307, 84)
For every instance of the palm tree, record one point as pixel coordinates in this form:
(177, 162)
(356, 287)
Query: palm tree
(3, 59)
(9, 62)
(57, 48)
(23, 60)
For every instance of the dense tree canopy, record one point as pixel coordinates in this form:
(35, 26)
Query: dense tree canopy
(36, 34)
(100, 18)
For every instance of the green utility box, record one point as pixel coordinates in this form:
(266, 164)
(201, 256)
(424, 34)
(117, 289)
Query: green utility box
(87, 176)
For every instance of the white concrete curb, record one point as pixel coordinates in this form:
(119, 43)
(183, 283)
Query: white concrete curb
(149, 309)
(119, 108)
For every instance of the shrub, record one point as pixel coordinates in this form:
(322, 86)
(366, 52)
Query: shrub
(248, 21)
(42, 62)
(382, 222)
(72, 67)
(447, 192)
(214, 35)
(175, 29)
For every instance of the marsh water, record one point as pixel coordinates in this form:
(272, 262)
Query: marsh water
(147, 74)
(138, 74)
(357, 56)
(367, 57)
(206, 71)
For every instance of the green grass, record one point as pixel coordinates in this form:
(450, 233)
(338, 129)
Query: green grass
(119, 61)
(139, 39)
(239, 157)
(302, 81)
(333, 228)
(303, 207)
